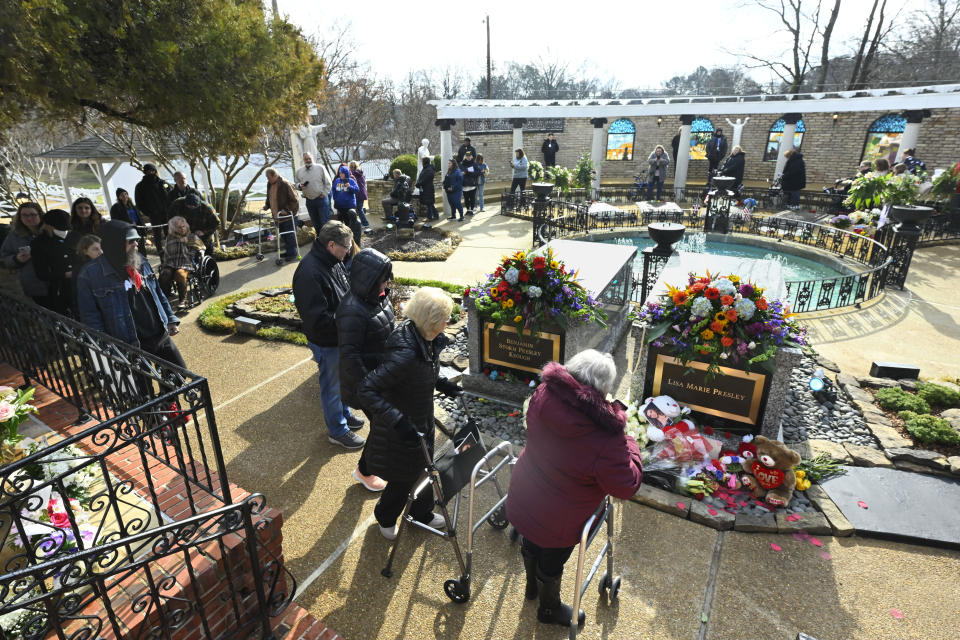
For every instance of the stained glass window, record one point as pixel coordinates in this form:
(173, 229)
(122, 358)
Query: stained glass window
(701, 130)
(620, 137)
(776, 132)
(883, 138)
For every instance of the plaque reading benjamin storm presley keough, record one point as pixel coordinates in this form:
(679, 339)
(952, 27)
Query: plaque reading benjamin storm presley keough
(736, 394)
(506, 347)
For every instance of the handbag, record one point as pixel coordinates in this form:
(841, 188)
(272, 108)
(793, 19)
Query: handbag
(456, 465)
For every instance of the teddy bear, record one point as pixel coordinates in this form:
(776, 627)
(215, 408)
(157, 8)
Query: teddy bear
(660, 412)
(770, 476)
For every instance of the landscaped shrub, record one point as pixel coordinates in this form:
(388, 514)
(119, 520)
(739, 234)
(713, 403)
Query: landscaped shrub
(407, 163)
(929, 429)
(896, 399)
(938, 395)
(436, 163)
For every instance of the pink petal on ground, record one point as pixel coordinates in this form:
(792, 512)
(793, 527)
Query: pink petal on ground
(775, 546)
(792, 517)
(799, 537)
(825, 555)
(742, 503)
(712, 512)
(862, 504)
(896, 613)
(816, 542)
(681, 505)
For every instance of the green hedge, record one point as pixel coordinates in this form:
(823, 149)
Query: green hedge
(938, 395)
(407, 163)
(896, 399)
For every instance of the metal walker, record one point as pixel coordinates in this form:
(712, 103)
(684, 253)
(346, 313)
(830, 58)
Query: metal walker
(608, 582)
(450, 486)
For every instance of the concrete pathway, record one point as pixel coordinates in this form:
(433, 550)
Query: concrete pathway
(675, 571)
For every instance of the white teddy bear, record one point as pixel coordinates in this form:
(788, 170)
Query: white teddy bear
(664, 412)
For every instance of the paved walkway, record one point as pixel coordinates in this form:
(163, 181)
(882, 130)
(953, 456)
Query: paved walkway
(268, 413)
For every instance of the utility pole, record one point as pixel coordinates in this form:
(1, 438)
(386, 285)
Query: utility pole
(489, 92)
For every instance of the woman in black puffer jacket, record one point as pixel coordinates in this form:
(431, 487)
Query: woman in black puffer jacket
(398, 398)
(364, 323)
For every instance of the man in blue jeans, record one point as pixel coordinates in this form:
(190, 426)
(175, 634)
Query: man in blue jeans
(283, 203)
(315, 183)
(319, 283)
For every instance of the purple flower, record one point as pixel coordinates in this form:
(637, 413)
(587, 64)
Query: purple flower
(567, 291)
(746, 290)
(754, 328)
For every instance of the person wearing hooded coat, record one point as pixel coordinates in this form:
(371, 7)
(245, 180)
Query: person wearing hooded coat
(53, 257)
(576, 454)
(427, 190)
(365, 320)
(118, 294)
(346, 192)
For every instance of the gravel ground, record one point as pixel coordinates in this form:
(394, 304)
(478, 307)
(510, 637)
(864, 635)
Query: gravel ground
(804, 418)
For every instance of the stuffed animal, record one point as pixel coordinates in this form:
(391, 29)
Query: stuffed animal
(771, 475)
(683, 443)
(661, 412)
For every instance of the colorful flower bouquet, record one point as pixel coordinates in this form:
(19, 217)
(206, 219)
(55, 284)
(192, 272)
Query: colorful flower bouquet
(722, 319)
(529, 291)
(14, 407)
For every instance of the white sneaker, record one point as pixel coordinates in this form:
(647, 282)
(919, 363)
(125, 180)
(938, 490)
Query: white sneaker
(437, 522)
(390, 533)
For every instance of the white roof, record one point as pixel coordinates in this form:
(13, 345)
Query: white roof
(942, 96)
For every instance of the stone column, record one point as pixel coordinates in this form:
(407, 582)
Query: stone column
(517, 124)
(910, 132)
(683, 158)
(446, 152)
(786, 140)
(596, 149)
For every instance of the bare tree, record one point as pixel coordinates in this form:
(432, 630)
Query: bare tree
(825, 36)
(21, 170)
(866, 56)
(412, 117)
(803, 28)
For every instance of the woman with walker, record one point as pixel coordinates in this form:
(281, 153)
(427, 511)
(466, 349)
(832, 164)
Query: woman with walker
(576, 454)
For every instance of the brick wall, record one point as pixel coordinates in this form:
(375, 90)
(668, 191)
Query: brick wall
(831, 150)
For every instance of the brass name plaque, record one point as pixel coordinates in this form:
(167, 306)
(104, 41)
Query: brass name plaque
(736, 395)
(506, 347)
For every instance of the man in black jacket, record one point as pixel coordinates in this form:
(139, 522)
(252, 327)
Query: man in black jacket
(427, 191)
(549, 149)
(152, 197)
(319, 284)
(400, 193)
(201, 218)
(180, 188)
(716, 149)
(364, 322)
(462, 151)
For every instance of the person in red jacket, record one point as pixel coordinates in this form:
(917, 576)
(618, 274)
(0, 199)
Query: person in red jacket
(577, 453)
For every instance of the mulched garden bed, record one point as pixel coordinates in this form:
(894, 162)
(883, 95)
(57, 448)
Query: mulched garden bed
(426, 245)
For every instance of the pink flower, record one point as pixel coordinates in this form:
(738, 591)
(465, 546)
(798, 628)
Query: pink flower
(60, 520)
(6, 411)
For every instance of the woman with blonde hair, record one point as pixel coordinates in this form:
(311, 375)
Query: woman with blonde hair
(179, 250)
(397, 396)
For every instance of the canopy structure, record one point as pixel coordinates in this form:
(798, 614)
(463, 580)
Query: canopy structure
(97, 154)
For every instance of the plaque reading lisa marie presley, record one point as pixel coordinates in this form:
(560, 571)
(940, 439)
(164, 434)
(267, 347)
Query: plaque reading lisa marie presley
(735, 395)
(506, 347)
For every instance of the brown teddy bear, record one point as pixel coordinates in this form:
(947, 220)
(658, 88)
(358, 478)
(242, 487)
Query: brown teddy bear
(770, 475)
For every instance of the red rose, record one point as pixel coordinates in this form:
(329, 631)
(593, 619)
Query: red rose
(60, 520)
(524, 276)
(712, 293)
(466, 292)
(539, 262)
(503, 286)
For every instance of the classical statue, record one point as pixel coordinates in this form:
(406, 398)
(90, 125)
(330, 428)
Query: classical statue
(737, 129)
(307, 135)
(423, 151)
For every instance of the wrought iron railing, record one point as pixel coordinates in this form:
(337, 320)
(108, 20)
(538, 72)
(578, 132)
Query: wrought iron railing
(154, 582)
(84, 518)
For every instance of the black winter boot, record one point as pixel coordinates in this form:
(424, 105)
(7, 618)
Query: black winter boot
(551, 610)
(530, 564)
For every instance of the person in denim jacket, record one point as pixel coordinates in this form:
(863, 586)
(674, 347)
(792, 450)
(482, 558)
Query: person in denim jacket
(118, 294)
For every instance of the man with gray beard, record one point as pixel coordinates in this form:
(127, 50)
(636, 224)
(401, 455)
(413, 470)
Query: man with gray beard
(118, 294)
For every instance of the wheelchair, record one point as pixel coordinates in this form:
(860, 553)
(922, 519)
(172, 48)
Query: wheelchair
(204, 280)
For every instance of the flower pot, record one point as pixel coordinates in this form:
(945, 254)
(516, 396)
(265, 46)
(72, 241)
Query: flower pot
(542, 189)
(665, 234)
(909, 218)
(724, 182)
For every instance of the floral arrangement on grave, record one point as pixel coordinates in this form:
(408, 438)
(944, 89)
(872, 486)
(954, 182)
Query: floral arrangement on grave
(561, 177)
(14, 408)
(535, 171)
(531, 291)
(722, 319)
(46, 514)
(947, 184)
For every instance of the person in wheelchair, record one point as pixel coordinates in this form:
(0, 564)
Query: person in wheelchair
(180, 257)
(202, 221)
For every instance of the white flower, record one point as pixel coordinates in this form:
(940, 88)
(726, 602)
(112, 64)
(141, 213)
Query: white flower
(701, 307)
(724, 355)
(724, 286)
(512, 275)
(534, 291)
(745, 308)
(752, 345)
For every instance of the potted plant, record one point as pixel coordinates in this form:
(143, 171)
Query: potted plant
(561, 176)
(14, 407)
(535, 171)
(946, 188)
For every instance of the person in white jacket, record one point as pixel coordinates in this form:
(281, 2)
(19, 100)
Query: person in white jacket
(315, 183)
